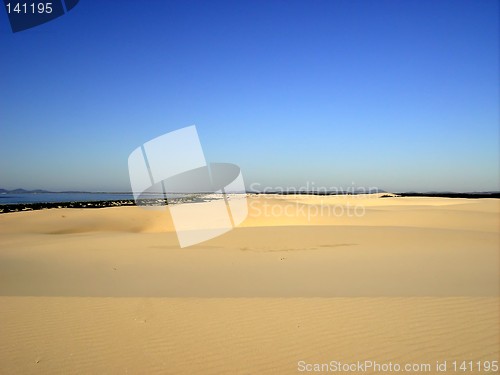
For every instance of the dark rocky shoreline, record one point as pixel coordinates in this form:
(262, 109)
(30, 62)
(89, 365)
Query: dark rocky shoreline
(20, 207)
(5, 208)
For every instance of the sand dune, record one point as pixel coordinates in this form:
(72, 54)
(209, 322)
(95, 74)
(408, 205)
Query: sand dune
(412, 280)
(238, 336)
(281, 250)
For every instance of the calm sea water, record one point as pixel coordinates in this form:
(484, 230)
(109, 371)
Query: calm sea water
(60, 197)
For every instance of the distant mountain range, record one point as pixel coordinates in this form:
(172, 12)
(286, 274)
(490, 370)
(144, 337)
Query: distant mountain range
(40, 191)
(22, 191)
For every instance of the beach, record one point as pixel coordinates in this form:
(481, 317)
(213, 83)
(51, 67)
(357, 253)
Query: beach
(304, 280)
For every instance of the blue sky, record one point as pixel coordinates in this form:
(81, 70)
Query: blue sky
(402, 95)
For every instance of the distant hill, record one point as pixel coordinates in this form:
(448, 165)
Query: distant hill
(483, 194)
(41, 191)
(22, 191)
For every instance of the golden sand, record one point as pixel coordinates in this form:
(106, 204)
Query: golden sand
(411, 280)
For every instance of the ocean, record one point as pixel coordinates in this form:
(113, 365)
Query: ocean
(7, 198)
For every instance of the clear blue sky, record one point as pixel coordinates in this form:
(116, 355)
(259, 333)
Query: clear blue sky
(402, 95)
